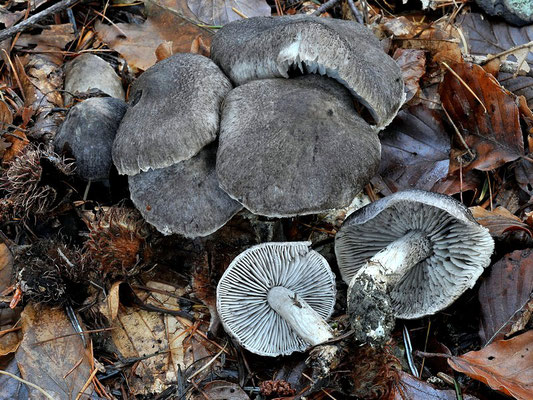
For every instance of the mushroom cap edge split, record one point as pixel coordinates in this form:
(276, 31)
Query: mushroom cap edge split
(461, 248)
(243, 290)
(267, 47)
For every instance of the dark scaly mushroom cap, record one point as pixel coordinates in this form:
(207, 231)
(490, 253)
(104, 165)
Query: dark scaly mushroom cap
(461, 248)
(173, 113)
(184, 198)
(243, 290)
(267, 47)
(87, 134)
(294, 146)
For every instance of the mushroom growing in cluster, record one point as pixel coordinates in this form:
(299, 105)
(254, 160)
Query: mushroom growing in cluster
(408, 255)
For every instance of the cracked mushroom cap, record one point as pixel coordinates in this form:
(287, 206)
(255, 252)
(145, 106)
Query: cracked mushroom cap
(87, 134)
(461, 248)
(267, 47)
(184, 198)
(173, 113)
(243, 289)
(294, 146)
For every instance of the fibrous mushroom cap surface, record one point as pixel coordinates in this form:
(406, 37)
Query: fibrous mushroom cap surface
(173, 113)
(242, 294)
(294, 146)
(461, 248)
(266, 47)
(87, 134)
(184, 198)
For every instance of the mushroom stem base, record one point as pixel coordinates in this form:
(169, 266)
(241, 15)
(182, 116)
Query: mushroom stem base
(370, 310)
(305, 321)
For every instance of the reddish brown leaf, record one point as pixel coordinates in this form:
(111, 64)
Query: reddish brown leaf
(499, 221)
(138, 43)
(494, 136)
(415, 150)
(504, 295)
(413, 65)
(18, 142)
(505, 365)
(411, 388)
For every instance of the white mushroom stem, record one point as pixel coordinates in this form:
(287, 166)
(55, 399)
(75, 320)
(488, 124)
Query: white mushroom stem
(389, 265)
(305, 321)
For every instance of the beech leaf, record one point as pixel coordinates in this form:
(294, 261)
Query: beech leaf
(505, 365)
(490, 123)
(505, 294)
(499, 221)
(415, 150)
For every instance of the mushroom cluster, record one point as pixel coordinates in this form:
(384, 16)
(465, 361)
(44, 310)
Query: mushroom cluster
(408, 255)
(289, 145)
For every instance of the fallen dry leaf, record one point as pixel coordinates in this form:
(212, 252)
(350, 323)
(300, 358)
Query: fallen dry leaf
(410, 387)
(413, 65)
(486, 36)
(17, 142)
(499, 221)
(504, 365)
(168, 21)
(415, 150)
(491, 129)
(219, 12)
(11, 388)
(221, 390)
(51, 354)
(6, 267)
(9, 341)
(504, 294)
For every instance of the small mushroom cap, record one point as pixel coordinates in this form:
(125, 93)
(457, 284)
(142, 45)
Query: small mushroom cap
(294, 146)
(88, 73)
(266, 47)
(243, 289)
(173, 113)
(87, 134)
(184, 198)
(461, 248)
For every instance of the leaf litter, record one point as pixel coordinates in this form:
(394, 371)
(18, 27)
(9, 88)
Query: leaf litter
(156, 333)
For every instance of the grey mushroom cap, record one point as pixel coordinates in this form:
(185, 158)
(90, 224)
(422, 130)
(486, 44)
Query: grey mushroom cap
(460, 248)
(294, 146)
(184, 198)
(89, 73)
(243, 290)
(267, 47)
(87, 134)
(173, 113)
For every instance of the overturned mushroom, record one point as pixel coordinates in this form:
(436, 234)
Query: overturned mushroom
(294, 146)
(88, 133)
(173, 113)
(406, 256)
(274, 298)
(268, 47)
(184, 198)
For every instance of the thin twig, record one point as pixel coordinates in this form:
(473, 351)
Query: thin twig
(33, 385)
(240, 14)
(510, 51)
(86, 384)
(461, 139)
(356, 13)
(35, 19)
(206, 365)
(465, 85)
(326, 6)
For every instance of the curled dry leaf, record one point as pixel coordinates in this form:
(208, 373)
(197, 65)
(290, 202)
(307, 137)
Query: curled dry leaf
(52, 354)
(220, 12)
(505, 294)
(415, 150)
(413, 65)
(504, 365)
(410, 387)
(490, 124)
(499, 221)
(168, 21)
